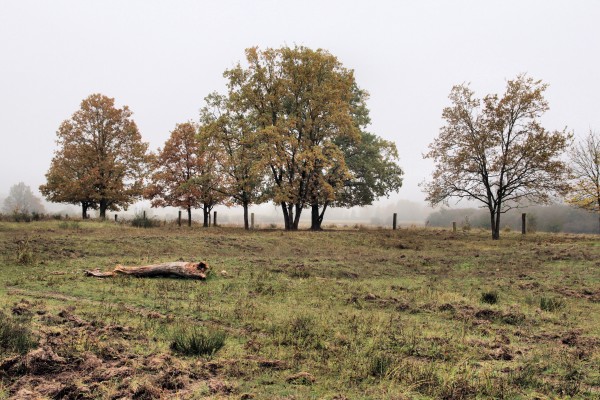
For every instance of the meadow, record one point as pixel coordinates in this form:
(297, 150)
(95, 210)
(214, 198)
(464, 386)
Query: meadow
(414, 313)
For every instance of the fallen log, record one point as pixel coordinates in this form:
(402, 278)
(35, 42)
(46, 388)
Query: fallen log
(176, 269)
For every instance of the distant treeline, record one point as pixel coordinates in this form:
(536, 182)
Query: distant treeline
(554, 218)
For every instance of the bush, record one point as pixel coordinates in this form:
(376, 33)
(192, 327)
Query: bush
(24, 254)
(489, 297)
(14, 336)
(139, 221)
(551, 303)
(197, 342)
(69, 225)
(21, 217)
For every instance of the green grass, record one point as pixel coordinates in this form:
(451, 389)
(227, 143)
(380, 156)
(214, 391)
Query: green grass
(15, 336)
(195, 342)
(355, 313)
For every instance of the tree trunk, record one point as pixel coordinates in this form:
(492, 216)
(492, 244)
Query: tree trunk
(496, 229)
(297, 217)
(84, 208)
(189, 212)
(177, 269)
(246, 225)
(206, 212)
(314, 218)
(103, 207)
(286, 217)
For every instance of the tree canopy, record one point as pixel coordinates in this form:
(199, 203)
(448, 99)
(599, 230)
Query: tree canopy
(495, 151)
(233, 136)
(585, 167)
(101, 161)
(175, 169)
(302, 103)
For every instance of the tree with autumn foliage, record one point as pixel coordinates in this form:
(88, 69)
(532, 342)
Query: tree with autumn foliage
(101, 160)
(184, 173)
(585, 168)
(174, 169)
(300, 101)
(238, 144)
(494, 150)
(372, 163)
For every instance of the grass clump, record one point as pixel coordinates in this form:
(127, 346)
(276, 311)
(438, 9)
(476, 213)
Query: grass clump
(551, 303)
(380, 365)
(197, 342)
(24, 254)
(490, 297)
(14, 336)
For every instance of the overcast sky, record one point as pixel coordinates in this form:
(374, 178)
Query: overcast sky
(161, 58)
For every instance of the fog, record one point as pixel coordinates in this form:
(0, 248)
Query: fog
(162, 58)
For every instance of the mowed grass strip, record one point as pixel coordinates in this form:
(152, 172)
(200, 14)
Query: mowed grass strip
(413, 313)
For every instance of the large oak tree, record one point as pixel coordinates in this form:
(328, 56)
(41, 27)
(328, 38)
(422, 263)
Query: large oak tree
(495, 151)
(585, 167)
(300, 100)
(101, 160)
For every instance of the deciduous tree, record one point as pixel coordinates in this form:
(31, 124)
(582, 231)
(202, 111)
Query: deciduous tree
(175, 170)
(237, 141)
(101, 160)
(374, 171)
(21, 200)
(585, 167)
(300, 101)
(496, 152)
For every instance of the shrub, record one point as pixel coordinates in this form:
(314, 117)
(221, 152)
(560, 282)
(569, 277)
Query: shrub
(14, 336)
(551, 303)
(21, 217)
(489, 297)
(69, 225)
(197, 342)
(380, 364)
(140, 221)
(24, 254)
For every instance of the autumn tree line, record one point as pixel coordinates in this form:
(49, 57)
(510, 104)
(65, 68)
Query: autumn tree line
(292, 129)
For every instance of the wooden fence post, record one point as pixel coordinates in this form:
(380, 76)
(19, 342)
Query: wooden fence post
(524, 223)
(116, 217)
(179, 218)
(394, 221)
(144, 215)
(251, 220)
(215, 219)
(454, 227)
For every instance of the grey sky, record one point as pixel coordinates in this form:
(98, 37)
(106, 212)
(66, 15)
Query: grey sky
(162, 58)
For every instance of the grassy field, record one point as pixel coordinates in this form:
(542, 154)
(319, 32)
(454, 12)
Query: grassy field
(346, 314)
